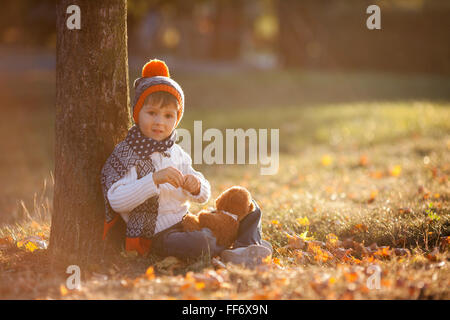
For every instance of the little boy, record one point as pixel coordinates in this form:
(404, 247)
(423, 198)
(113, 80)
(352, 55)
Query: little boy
(148, 180)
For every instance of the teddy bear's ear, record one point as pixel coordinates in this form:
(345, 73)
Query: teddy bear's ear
(251, 207)
(219, 201)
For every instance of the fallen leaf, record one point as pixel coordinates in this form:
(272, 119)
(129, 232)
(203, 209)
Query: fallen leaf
(332, 241)
(363, 288)
(373, 195)
(348, 243)
(319, 254)
(376, 175)
(295, 242)
(267, 260)
(63, 290)
(30, 246)
(32, 243)
(303, 221)
(383, 252)
(326, 160)
(305, 237)
(433, 255)
(386, 283)
(351, 276)
(341, 253)
(150, 273)
(355, 260)
(395, 171)
(445, 241)
(360, 227)
(199, 286)
(363, 160)
(211, 279)
(185, 286)
(276, 261)
(281, 282)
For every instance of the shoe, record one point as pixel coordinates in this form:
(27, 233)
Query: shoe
(267, 244)
(250, 256)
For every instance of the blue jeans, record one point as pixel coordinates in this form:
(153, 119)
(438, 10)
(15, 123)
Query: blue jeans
(176, 242)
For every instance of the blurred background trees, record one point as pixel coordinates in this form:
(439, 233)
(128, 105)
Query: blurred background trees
(325, 34)
(28, 22)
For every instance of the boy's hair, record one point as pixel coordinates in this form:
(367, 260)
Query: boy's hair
(162, 97)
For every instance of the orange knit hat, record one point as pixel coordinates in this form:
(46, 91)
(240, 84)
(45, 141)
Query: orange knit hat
(156, 77)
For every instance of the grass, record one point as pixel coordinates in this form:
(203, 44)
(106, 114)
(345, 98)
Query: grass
(362, 156)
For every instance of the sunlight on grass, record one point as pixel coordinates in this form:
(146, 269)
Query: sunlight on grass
(357, 124)
(364, 162)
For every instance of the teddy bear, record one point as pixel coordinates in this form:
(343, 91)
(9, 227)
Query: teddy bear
(232, 205)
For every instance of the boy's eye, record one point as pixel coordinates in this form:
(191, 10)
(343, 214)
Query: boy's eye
(152, 113)
(168, 116)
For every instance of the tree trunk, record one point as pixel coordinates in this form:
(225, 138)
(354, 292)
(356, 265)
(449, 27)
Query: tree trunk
(92, 115)
(294, 33)
(228, 22)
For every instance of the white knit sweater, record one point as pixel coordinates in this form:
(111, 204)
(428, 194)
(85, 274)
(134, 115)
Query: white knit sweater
(129, 192)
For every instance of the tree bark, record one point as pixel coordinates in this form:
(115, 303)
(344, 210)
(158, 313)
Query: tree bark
(92, 115)
(228, 22)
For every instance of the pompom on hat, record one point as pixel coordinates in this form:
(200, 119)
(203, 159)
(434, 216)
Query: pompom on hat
(156, 77)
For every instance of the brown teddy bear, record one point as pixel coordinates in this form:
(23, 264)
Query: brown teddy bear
(233, 205)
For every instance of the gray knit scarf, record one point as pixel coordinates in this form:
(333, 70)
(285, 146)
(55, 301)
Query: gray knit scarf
(135, 150)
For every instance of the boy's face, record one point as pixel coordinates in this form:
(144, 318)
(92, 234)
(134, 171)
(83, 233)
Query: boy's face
(157, 122)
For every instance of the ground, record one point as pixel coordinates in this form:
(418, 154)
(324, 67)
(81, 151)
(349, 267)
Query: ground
(362, 191)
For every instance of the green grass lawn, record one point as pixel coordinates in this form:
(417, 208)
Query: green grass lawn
(362, 156)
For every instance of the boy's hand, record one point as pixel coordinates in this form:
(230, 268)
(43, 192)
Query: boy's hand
(169, 175)
(191, 184)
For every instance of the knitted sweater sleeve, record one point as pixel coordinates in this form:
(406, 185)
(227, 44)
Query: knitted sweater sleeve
(205, 189)
(130, 192)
